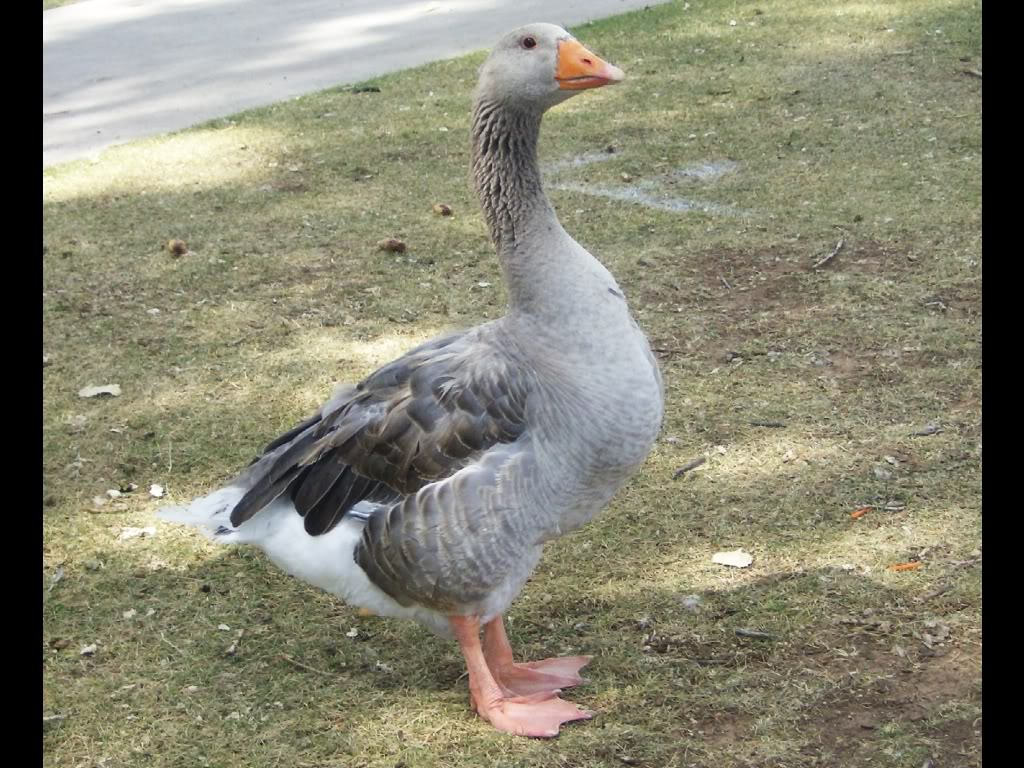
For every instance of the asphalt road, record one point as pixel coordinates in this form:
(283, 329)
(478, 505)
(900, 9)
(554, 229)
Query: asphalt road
(116, 70)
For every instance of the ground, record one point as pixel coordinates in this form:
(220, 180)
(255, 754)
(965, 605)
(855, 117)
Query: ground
(735, 158)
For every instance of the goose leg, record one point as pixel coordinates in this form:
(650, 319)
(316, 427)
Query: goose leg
(547, 676)
(539, 715)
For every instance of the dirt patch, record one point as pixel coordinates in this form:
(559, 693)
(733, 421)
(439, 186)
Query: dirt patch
(883, 692)
(873, 694)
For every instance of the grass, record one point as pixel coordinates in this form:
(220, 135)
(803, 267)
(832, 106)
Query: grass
(48, 4)
(845, 120)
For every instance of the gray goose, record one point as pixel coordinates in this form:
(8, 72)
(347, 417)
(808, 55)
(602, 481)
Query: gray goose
(427, 491)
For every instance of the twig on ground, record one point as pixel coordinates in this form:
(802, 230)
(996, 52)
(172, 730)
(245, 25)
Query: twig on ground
(691, 464)
(835, 251)
(172, 645)
(303, 666)
(753, 633)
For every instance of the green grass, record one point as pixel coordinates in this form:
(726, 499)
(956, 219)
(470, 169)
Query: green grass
(846, 120)
(48, 4)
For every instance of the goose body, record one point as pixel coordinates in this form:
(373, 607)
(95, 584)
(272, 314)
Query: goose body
(428, 490)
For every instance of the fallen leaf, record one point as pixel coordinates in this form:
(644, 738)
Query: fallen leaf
(113, 390)
(441, 209)
(881, 473)
(77, 423)
(177, 247)
(857, 514)
(392, 245)
(735, 559)
(59, 643)
(134, 533)
(913, 566)
(156, 491)
(57, 576)
(691, 602)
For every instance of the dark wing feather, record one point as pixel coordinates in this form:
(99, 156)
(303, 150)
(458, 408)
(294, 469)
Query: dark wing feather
(414, 421)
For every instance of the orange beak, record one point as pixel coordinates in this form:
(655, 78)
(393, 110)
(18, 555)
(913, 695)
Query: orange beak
(578, 68)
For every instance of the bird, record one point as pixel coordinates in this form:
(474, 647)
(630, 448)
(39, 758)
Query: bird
(428, 490)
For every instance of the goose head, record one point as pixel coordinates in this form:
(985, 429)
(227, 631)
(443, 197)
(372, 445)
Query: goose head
(538, 66)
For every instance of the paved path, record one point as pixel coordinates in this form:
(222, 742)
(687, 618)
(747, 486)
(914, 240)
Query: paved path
(115, 70)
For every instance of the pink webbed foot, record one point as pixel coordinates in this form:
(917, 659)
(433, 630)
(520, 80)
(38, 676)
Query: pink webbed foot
(547, 676)
(538, 716)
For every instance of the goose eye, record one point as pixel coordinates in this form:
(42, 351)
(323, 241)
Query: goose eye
(529, 42)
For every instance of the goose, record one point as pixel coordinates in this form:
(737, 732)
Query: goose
(428, 490)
